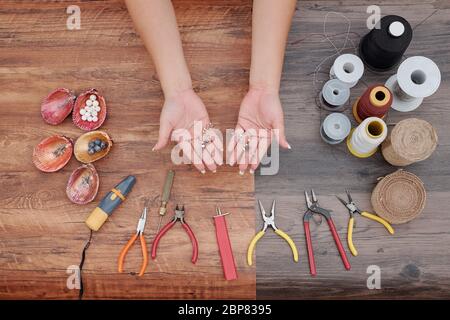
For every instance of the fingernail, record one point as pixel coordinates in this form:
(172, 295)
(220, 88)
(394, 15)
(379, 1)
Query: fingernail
(241, 172)
(153, 149)
(251, 171)
(289, 146)
(214, 171)
(203, 171)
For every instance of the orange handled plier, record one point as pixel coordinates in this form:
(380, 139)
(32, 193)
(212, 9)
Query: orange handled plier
(139, 233)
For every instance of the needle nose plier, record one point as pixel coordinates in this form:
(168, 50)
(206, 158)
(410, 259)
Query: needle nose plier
(139, 233)
(179, 216)
(352, 209)
(269, 221)
(313, 207)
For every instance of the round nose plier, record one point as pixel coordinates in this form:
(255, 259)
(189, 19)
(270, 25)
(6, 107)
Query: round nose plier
(139, 233)
(314, 208)
(352, 209)
(269, 221)
(179, 216)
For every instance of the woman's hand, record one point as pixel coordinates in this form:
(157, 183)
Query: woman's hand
(260, 113)
(179, 114)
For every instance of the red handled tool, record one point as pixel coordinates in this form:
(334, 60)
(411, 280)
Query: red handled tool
(225, 250)
(313, 207)
(179, 216)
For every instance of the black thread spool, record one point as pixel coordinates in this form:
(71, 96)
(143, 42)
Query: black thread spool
(382, 49)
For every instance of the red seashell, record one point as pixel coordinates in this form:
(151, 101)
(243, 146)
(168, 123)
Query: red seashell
(80, 103)
(52, 153)
(57, 106)
(83, 184)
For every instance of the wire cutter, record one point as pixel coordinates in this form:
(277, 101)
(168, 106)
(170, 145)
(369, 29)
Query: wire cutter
(352, 209)
(139, 233)
(179, 216)
(269, 221)
(313, 207)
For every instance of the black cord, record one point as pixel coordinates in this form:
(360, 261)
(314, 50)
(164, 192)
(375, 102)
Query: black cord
(83, 256)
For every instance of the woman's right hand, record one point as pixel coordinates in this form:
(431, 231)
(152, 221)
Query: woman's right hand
(180, 112)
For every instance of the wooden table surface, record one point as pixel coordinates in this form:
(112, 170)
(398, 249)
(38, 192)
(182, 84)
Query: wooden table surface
(414, 262)
(42, 233)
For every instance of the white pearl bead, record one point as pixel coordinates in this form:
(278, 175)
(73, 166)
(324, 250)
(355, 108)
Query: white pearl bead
(94, 119)
(93, 97)
(84, 118)
(94, 113)
(89, 118)
(97, 108)
(82, 111)
(89, 102)
(95, 103)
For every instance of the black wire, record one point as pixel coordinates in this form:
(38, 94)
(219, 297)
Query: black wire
(83, 256)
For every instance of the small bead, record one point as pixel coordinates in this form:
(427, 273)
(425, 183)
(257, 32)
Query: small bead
(97, 108)
(89, 118)
(93, 97)
(94, 119)
(95, 103)
(84, 118)
(88, 103)
(82, 111)
(94, 113)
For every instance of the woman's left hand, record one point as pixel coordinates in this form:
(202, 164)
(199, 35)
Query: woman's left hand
(260, 120)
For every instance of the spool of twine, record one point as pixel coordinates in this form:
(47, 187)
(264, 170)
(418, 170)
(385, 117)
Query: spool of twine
(375, 102)
(399, 197)
(412, 140)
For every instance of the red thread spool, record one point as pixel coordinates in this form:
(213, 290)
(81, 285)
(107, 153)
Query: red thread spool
(375, 102)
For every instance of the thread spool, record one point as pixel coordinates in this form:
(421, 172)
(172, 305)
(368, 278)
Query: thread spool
(347, 68)
(382, 49)
(399, 197)
(335, 128)
(375, 102)
(417, 78)
(334, 94)
(412, 140)
(364, 140)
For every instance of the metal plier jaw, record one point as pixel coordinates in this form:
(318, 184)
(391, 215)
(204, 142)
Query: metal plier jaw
(313, 207)
(178, 216)
(141, 223)
(269, 221)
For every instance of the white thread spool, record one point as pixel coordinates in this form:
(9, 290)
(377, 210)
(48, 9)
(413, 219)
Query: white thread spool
(335, 128)
(417, 78)
(363, 141)
(335, 93)
(347, 68)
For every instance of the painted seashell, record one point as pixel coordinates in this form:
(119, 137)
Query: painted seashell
(83, 184)
(80, 103)
(82, 146)
(52, 153)
(57, 106)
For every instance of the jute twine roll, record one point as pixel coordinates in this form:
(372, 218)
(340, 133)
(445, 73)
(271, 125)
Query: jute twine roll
(411, 140)
(399, 197)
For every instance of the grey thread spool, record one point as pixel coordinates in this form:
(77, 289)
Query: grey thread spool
(416, 78)
(335, 128)
(334, 94)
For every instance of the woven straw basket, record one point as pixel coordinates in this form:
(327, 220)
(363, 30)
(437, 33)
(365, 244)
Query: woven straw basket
(412, 140)
(399, 197)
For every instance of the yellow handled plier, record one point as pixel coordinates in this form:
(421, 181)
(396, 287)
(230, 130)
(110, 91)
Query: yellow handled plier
(352, 209)
(269, 221)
